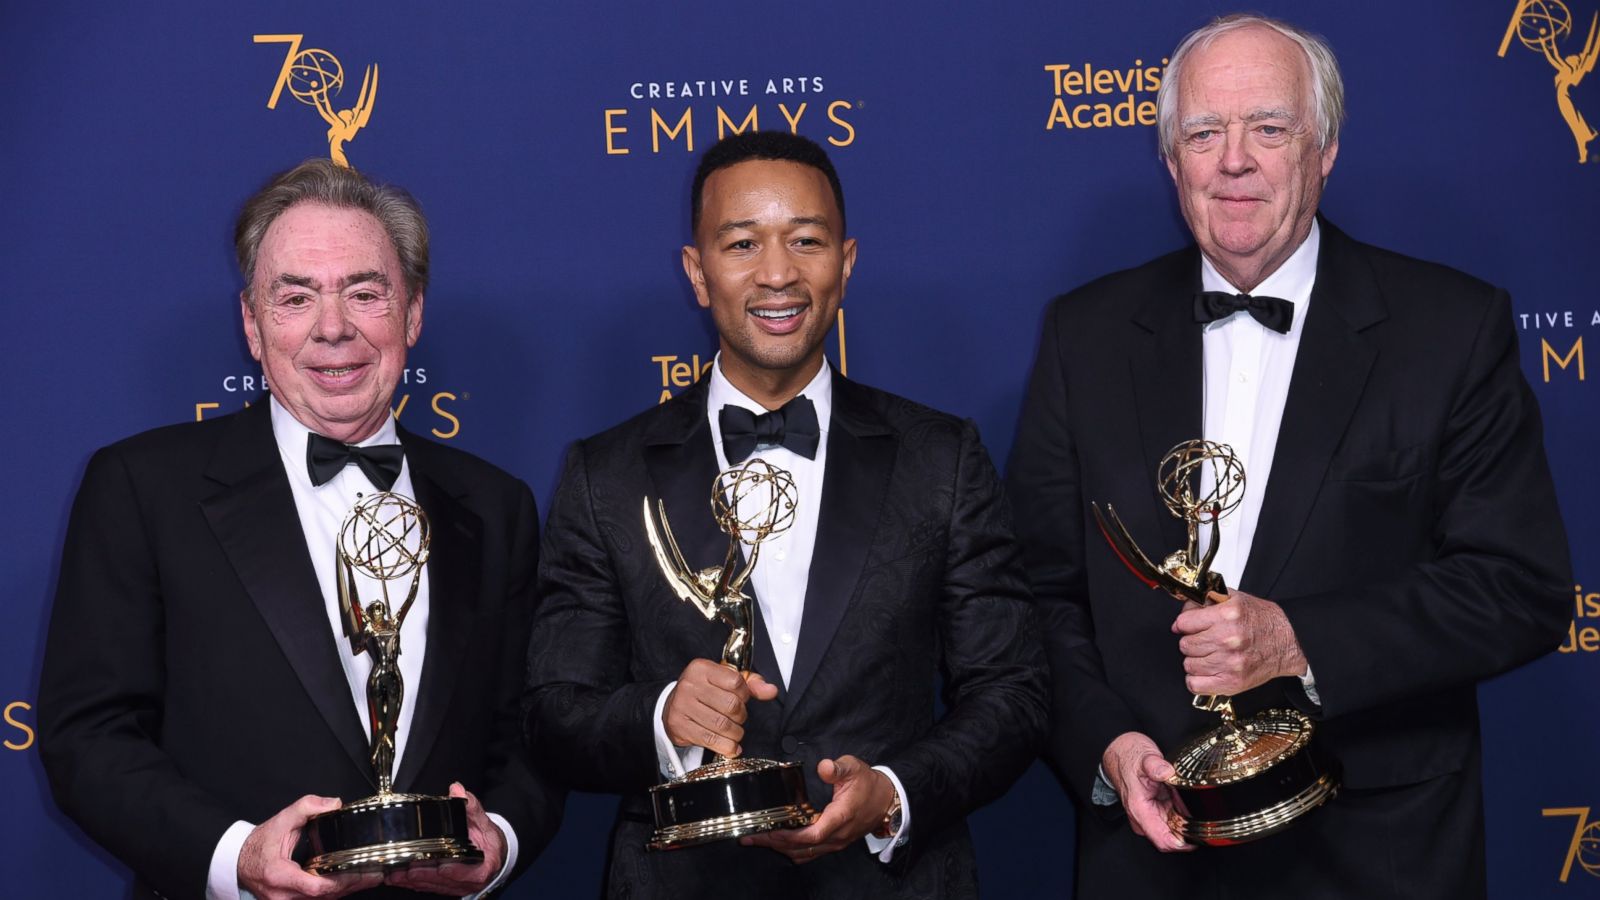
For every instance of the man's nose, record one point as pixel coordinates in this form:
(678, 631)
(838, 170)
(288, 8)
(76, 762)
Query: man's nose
(1236, 158)
(333, 321)
(776, 268)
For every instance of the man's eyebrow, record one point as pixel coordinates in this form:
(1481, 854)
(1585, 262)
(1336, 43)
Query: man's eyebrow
(304, 281)
(726, 227)
(372, 275)
(818, 221)
(1277, 112)
(1211, 119)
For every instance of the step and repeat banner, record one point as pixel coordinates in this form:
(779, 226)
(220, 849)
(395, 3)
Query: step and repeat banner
(993, 155)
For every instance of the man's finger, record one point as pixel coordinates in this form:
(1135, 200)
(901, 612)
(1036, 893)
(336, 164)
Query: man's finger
(1157, 769)
(356, 881)
(725, 677)
(1197, 645)
(811, 854)
(717, 723)
(783, 842)
(714, 742)
(726, 704)
(833, 771)
(1193, 622)
(475, 811)
(715, 698)
(760, 688)
(310, 805)
(1150, 821)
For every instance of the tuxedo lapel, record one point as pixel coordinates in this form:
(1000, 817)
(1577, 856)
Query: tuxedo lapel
(453, 585)
(254, 519)
(1169, 387)
(861, 451)
(682, 464)
(1330, 373)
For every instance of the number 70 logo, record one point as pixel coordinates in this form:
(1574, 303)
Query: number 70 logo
(1585, 846)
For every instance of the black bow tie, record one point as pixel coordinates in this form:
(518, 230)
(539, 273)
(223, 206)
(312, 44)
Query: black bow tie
(1272, 312)
(326, 457)
(794, 425)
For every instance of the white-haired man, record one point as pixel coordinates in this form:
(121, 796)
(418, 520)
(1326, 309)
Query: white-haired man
(1398, 540)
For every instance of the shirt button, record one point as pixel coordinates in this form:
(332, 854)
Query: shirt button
(783, 553)
(787, 638)
(1244, 377)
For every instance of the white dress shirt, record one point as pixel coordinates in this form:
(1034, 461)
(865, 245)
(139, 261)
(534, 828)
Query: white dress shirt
(1248, 367)
(322, 510)
(1247, 371)
(782, 570)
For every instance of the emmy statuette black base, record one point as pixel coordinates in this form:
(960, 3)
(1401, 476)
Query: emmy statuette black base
(729, 799)
(392, 831)
(1270, 801)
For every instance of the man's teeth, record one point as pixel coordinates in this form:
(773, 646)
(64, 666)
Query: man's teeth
(337, 372)
(778, 313)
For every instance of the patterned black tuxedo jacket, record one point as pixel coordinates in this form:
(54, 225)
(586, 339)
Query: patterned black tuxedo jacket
(916, 583)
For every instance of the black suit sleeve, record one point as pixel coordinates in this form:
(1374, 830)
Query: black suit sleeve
(1044, 481)
(996, 681)
(585, 718)
(101, 695)
(1495, 594)
(530, 801)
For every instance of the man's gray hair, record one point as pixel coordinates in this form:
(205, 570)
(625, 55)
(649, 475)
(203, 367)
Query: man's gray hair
(1327, 86)
(324, 182)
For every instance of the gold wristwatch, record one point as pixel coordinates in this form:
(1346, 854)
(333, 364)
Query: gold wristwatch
(890, 826)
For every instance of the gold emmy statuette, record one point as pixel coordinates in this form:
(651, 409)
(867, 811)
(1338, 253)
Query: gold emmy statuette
(1246, 778)
(386, 538)
(727, 798)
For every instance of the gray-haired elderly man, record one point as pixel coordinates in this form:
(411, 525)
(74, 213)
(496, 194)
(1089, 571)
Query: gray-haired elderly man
(1398, 538)
(199, 702)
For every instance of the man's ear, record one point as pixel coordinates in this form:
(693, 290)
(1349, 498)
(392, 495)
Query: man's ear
(696, 275)
(414, 319)
(252, 328)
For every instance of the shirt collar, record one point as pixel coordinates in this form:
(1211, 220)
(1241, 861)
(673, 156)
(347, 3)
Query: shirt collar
(721, 392)
(292, 437)
(1291, 281)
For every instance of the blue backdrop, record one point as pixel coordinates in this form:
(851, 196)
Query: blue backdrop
(988, 162)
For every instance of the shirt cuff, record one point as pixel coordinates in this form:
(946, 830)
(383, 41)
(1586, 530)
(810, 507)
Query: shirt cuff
(884, 848)
(511, 856)
(1309, 683)
(222, 879)
(672, 760)
(1103, 794)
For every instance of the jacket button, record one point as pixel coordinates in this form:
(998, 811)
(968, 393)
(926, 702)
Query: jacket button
(789, 744)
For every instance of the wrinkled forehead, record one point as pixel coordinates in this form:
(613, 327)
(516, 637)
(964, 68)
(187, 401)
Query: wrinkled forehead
(317, 238)
(1243, 71)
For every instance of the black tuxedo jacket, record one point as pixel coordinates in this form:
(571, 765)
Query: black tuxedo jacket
(1409, 530)
(191, 678)
(915, 576)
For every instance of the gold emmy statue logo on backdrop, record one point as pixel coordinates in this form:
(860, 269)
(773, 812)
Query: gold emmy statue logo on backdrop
(1542, 26)
(314, 77)
(1584, 849)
